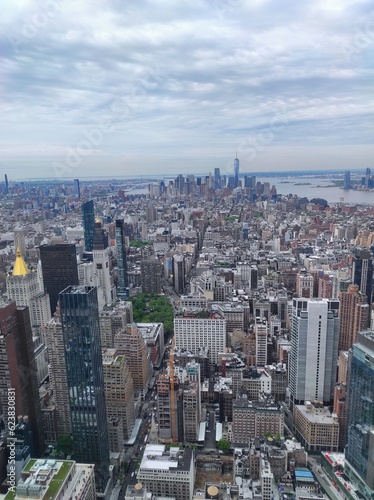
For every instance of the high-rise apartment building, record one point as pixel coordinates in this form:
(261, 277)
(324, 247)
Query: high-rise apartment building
(191, 403)
(169, 408)
(58, 374)
(59, 268)
(151, 275)
(119, 390)
(359, 452)
(193, 334)
(18, 369)
(121, 259)
(354, 316)
(261, 331)
(314, 349)
(111, 321)
(88, 218)
(101, 260)
(130, 343)
(84, 366)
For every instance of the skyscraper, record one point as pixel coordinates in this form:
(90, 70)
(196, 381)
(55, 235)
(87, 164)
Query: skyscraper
(130, 343)
(88, 218)
(101, 260)
(23, 286)
(18, 369)
(179, 282)
(119, 391)
(347, 180)
(77, 189)
(354, 316)
(314, 349)
(217, 178)
(84, 366)
(236, 172)
(362, 271)
(59, 269)
(6, 184)
(359, 452)
(58, 374)
(121, 259)
(191, 403)
(151, 275)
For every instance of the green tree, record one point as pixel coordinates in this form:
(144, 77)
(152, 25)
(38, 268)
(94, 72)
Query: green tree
(65, 445)
(224, 445)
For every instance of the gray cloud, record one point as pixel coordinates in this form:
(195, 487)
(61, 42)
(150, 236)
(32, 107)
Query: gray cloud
(182, 84)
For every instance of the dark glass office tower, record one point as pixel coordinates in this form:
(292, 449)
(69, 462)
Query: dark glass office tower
(362, 272)
(359, 452)
(88, 218)
(121, 259)
(59, 269)
(84, 366)
(18, 370)
(77, 189)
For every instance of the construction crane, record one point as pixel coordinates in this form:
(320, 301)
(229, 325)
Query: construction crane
(173, 402)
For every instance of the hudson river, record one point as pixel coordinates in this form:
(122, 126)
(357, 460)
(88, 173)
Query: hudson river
(315, 187)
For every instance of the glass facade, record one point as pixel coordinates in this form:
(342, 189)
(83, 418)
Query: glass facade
(81, 334)
(59, 268)
(121, 259)
(88, 217)
(362, 271)
(360, 445)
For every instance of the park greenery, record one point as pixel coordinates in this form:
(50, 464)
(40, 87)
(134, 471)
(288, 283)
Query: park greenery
(139, 243)
(152, 308)
(224, 445)
(65, 445)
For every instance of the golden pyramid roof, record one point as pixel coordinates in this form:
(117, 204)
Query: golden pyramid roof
(20, 268)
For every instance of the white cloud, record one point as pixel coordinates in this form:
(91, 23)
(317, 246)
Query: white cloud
(184, 83)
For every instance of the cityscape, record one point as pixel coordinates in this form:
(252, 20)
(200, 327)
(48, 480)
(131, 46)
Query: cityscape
(197, 337)
(186, 250)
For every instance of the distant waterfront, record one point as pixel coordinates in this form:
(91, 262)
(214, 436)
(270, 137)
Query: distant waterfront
(292, 185)
(310, 187)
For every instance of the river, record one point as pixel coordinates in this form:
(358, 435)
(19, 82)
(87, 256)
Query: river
(316, 187)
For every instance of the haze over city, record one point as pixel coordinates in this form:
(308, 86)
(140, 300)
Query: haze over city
(152, 87)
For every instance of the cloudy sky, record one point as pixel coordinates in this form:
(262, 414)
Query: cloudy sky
(127, 87)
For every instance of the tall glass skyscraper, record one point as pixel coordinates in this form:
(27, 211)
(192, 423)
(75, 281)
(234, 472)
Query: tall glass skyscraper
(359, 452)
(236, 172)
(121, 259)
(88, 217)
(362, 271)
(59, 268)
(77, 189)
(84, 366)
